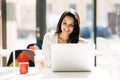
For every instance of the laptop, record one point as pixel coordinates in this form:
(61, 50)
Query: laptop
(72, 57)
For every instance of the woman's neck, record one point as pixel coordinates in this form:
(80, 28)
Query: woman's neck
(62, 38)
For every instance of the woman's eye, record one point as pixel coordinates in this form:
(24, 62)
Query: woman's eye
(72, 25)
(64, 22)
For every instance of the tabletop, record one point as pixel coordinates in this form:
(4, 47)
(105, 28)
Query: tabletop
(12, 73)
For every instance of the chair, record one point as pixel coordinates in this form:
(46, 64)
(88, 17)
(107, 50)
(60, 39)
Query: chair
(22, 56)
(103, 47)
(108, 60)
(33, 47)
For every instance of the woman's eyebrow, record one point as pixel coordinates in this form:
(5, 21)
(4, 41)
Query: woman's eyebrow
(70, 22)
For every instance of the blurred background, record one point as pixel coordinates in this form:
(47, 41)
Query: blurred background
(18, 27)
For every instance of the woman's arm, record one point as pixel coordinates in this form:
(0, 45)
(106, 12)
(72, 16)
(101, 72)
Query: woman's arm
(46, 49)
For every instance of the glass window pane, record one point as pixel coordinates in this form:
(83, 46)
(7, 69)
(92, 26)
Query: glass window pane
(0, 27)
(108, 22)
(21, 23)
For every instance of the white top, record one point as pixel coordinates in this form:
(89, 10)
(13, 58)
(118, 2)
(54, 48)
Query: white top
(49, 39)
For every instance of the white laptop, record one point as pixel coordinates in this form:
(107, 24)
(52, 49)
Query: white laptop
(72, 57)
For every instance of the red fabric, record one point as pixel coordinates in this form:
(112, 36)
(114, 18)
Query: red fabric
(22, 57)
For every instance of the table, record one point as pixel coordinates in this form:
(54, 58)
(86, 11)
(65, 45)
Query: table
(11, 73)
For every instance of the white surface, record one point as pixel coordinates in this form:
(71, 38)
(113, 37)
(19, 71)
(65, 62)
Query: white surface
(72, 57)
(10, 73)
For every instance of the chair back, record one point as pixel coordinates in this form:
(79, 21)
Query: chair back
(24, 55)
(103, 46)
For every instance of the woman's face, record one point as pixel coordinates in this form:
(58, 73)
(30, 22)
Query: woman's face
(67, 25)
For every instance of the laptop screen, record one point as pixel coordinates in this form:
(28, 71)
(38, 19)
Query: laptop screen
(72, 57)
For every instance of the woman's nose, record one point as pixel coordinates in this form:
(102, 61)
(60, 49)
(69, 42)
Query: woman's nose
(67, 26)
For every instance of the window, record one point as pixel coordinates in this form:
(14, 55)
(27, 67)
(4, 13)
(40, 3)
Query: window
(73, 6)
(21, 23)
(89, 12)
(49, 8)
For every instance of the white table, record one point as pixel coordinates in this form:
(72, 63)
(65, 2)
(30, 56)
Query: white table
(10, 73)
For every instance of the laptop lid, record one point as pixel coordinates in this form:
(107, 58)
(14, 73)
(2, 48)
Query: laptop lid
(72, 57)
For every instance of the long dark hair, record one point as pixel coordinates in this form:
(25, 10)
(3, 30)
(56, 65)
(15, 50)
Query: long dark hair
(74, 36)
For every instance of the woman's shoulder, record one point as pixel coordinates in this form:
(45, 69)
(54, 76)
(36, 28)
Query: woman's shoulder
(82, 41)
(50, 34)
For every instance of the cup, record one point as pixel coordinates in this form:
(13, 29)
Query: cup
(24, 67)
(39, 61)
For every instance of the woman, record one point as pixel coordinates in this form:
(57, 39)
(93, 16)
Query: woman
(68, 31)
